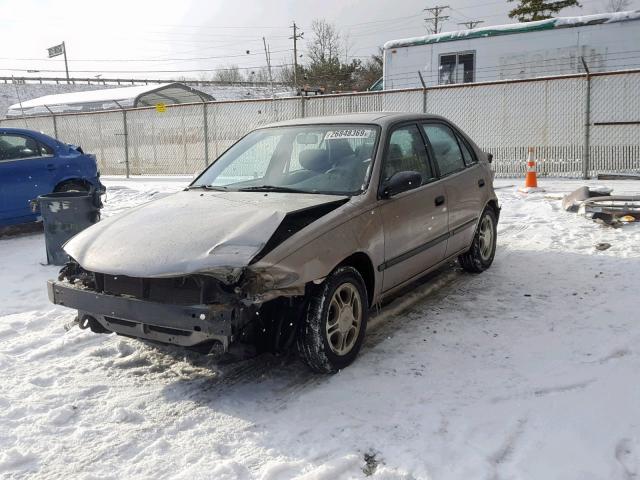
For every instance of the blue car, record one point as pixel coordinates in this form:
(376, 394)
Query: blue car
(33, 164)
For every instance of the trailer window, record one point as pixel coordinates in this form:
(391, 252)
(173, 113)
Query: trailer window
(457, 68)
(448, 69)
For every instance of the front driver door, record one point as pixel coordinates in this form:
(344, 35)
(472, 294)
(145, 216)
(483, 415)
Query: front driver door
(414, 222)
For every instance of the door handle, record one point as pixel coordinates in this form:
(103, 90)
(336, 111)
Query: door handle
(51, 167)
(481, 182)
(439, 200)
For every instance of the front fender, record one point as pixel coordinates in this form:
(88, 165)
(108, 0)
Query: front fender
(319, 257)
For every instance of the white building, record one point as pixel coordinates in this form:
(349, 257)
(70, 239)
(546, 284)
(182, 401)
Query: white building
(523, 50)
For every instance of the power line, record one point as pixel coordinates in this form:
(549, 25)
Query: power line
(151, 71)
(116, 60)
(437, 18)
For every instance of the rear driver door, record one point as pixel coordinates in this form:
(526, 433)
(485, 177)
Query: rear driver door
(415, 221)
(464, 182)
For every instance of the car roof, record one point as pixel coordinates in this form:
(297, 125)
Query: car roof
(41, 137)
(23, 131)
(377, 118)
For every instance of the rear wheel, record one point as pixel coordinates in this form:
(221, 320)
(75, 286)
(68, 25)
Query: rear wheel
(334, 322)
(480, 256)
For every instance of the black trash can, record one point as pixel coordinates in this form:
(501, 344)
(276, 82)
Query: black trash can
(64, 215)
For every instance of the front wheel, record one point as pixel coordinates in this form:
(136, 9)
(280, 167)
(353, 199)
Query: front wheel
(71, 186)
(480, 256)
(335, 321)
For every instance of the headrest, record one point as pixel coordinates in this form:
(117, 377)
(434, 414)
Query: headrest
(395, 152)
(315, 159)
(339, 148)
(364, 152)
(441, 148)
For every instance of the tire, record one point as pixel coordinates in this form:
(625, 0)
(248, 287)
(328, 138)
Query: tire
(71, 186)
(330, 337)
(480, 256)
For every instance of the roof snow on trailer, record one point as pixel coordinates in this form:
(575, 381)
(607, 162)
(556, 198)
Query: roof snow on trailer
(511, 29)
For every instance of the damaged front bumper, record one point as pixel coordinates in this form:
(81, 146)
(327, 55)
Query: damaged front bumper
(184, 325)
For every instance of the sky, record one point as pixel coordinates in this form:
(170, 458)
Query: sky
(195, 38)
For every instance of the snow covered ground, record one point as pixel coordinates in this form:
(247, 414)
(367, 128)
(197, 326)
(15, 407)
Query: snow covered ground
(530, 370)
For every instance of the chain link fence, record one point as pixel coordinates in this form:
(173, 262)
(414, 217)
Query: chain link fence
(579, 125)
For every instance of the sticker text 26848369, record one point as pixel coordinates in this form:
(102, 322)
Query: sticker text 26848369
(348, 133)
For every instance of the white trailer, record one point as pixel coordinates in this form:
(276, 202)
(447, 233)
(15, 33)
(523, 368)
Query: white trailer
(523, 50)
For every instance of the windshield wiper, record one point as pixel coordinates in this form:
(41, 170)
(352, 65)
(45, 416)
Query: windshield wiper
(271, 188)
(207, 187)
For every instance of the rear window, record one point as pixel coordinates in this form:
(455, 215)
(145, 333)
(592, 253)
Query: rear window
(469, 157)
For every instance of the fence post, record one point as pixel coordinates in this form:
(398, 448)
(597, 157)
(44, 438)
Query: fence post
(126, 136)
(424, 93)
(302, 106)
(55, 122)
(126, 141)
(206, 134)
(586, 157)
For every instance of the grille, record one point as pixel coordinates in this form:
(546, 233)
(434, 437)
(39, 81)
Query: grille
(177, 291)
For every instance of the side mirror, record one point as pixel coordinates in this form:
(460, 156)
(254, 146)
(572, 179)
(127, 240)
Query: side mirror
(489, 157)
(401, 182)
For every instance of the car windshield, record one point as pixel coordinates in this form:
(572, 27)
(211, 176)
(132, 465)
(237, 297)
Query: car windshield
(330, 159)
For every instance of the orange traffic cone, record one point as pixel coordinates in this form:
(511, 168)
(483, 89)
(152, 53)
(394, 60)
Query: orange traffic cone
(531, 180)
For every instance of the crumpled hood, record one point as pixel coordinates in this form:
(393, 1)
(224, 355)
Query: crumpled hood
(187, 232)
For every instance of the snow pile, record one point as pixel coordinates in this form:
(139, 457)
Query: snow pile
(529, 370)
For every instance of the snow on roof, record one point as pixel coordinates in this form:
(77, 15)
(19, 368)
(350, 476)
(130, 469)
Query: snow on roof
(110, 98)
(496, 30)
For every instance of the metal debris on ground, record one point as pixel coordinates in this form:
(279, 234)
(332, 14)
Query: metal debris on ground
(619, 176)
(572, 202)
(598, 204)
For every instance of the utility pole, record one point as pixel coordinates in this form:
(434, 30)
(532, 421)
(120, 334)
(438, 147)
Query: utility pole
(267, 54)
(471, 23)
(437, 18)
(296, 36)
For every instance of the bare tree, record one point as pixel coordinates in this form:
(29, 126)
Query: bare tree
(258, 75)
(284, 74)
(325, 45)
(229, 74)
(617, 5)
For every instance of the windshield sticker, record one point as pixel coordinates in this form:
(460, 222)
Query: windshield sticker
(348, 133)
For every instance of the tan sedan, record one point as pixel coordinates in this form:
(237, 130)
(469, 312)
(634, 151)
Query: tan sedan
(289, 238)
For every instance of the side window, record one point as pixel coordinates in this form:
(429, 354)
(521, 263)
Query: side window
(13, 147)
(445, 148)
(469, 157)
(406, 152)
